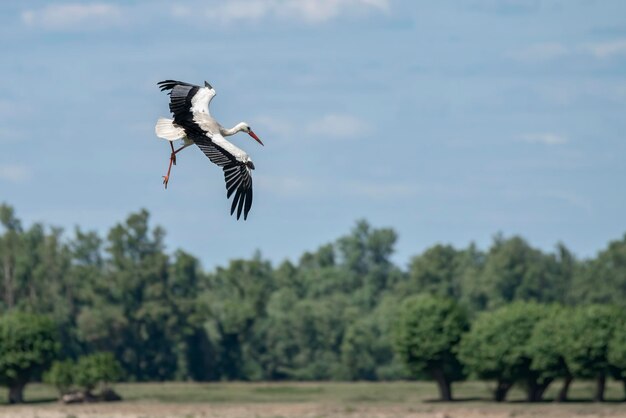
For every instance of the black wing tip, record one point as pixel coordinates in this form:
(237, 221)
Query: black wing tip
(248, 203)
(242, 202)
(170, 84)
(167, 84)
(233, 205)
(239, 183)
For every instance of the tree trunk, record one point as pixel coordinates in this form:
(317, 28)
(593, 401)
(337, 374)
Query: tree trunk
(599, 396)
(562, 396)
(535, 391)
(445, 390)
(501, 390)
(16, 393)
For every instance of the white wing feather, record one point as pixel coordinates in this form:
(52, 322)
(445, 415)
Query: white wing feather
(167, 129)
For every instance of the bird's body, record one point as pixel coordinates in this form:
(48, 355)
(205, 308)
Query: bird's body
(194, 124)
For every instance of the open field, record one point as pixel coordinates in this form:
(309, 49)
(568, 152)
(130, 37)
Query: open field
(313, 400)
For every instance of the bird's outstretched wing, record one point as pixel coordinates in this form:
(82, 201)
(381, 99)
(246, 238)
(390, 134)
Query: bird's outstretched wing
(170, 84)
(237, 174)
(187, 99)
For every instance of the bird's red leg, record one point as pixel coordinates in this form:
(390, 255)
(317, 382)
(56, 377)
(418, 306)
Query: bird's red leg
(173, 156)
(177, 151)
(166, 178)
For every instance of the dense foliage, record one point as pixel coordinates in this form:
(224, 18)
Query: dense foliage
(28, 344)
(332, 314)
(497, 348)
(427, 333)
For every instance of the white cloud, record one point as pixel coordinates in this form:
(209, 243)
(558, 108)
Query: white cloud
(312, 11)
(322, 10)
(540, 52)
(337, 126)
(606, 49)
(14, 173)
(546, 138)
(73, 15)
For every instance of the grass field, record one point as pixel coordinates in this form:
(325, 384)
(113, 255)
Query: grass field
(313, 400)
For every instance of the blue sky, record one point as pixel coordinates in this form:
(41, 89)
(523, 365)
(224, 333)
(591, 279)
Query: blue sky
(448, 121)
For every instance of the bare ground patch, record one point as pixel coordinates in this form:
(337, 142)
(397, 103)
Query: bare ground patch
(310, 410)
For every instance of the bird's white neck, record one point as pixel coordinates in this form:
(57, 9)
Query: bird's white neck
(232, 131)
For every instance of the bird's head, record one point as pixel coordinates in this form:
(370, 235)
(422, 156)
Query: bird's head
(246, 128)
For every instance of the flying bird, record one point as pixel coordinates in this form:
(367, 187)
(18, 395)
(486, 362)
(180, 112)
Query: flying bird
(194, 124)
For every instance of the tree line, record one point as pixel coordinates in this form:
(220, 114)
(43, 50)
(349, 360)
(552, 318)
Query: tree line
(337, 313)
(523, 343)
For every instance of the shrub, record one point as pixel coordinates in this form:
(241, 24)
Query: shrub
(81, 377)
(61, 376)
(97, 369)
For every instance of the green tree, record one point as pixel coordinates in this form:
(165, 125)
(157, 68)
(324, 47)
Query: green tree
(603, 279)
(318, 331)
(436, 271)
(587, 342)
(30, 263)
(34, 262)
(547, 345)
(516, 271)
(79, 287)
(10, 243)
(365, 262)
(28, 344)
(129, 313)
(359, 348)
(46, 287)
(428, 331)
(318, 275)
(303, 337)
(367, 348)
(277, 331)
(191, 351)
(496, 348)
(235, 302)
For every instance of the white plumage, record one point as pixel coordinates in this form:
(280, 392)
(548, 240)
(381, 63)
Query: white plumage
(167, 129)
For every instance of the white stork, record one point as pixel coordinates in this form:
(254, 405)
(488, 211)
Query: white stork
(194, 125)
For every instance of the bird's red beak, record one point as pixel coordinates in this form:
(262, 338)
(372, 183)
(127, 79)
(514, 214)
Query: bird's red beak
(253, 135)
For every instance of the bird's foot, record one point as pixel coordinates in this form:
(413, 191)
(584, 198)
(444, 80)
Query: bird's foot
(173, 158)
(166, 179)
